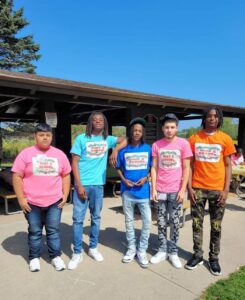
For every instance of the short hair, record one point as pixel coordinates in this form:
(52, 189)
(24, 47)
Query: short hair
(219, 113)
(130, 139)
(89, 127)
(169, 117)
(43, 127)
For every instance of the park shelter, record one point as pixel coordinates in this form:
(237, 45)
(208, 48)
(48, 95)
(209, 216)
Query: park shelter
(31, 98)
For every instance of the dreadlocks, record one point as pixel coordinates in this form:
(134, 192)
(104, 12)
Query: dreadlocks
(219, 114)
(89, 127)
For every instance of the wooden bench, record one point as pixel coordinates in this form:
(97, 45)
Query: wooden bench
(8, 195)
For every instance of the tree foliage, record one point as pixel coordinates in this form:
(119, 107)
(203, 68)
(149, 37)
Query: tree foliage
(16, 53)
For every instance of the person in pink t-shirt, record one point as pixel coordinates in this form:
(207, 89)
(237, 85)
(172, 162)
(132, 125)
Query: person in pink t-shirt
(41, 180)
(169, 174)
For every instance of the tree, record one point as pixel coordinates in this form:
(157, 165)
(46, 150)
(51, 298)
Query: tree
(16, 53)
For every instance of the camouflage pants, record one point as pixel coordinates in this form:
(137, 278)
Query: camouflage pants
(173, 208)
(216, 215)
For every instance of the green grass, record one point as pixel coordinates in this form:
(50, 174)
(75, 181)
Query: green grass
(232, 288)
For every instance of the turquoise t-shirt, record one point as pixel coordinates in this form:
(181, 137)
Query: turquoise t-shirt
(93, 152)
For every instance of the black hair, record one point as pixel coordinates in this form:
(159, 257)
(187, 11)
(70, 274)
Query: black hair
(43, 127)
(89, 127)
(130, 139)
(219, 113)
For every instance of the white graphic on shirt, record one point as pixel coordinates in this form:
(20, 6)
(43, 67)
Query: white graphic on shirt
(136, 160)
(42, 165)
(169, 159)
(207, 152)
(96, 149)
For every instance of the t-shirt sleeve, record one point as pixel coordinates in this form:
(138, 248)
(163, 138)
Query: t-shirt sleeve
(19, 164)
(77, 147)
(112, 141)
(192, 144)
(187, 152)
(229, 146)
(154, 150)
(66, 169)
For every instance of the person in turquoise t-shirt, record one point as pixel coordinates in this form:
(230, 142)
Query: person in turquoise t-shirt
(133, 166)
(89, 162)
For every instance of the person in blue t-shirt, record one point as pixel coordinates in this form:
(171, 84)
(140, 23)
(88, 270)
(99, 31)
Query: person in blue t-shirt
(89, 162)
(133, 167)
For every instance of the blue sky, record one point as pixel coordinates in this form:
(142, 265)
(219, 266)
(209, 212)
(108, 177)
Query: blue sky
(190, 49)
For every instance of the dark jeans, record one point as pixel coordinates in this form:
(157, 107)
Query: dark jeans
(48, 217)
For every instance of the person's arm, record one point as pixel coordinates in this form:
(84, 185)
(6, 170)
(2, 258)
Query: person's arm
(191, 192)
(66, 184)
(224, 194)
(128, 183)
(80, 189)
(18, 188)
(186, 172)
(154, 178)
(121, 143)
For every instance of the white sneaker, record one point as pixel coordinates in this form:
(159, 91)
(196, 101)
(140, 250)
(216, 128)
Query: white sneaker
(158, 257)
(129, 256)
(142, 259)
(34, 265)
(95, 254)
(75, 260)
(175, 261)
(58, 263)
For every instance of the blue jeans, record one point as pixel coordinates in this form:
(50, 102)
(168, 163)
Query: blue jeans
(173, 208)
(49, 217)
(129, 203)
(94, 202)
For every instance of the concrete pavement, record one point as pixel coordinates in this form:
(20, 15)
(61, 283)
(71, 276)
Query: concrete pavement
(112, 279)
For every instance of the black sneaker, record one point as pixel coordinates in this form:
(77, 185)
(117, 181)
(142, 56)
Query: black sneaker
(193, 262)
(214, 267)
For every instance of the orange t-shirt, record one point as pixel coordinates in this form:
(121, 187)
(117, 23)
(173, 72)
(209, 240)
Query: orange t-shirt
(208, 153)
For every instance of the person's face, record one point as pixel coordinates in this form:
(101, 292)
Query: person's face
(169, 129)
(98, 123)
(137, 132)
(43, 139)
(212, 120)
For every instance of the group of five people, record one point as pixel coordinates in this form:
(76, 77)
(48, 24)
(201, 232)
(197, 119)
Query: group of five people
(202, 165)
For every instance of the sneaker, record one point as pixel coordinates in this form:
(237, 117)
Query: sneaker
(175, 261)
(75, 260)
(193, 262)
(142, 259)
(129, 256)
(95, 254)
(58, 263)
(214, 267)
(34, 265)
(158, 257)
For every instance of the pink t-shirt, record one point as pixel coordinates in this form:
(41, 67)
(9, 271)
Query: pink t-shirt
(42, 174)
(170, 156)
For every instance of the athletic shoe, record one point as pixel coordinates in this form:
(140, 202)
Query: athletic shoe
(194, 262)
(34, 265)
(158, 257)
(142, 259)
(129, 256)
(58, 263)
(75, 260)
(95, 254)
(214, 267)
(175, 261)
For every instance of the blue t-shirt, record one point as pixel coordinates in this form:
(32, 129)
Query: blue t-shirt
(93, 152)
(135, 163)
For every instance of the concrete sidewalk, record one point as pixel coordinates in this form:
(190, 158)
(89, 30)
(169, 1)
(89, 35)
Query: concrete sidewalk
(112, 279)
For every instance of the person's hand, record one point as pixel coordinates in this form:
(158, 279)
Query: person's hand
(222, 198)
(141, 181)
(180, 196)
(129, 183)
(25, 207)
(62, 203)
(82, 194)
(154, 195)
(113, 158)
(192, 195)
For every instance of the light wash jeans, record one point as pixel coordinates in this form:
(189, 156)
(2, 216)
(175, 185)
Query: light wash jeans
(94, 202)
(173, 208)
(129, 203)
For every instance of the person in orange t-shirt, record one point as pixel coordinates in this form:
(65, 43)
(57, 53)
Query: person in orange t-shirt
(209, 181)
